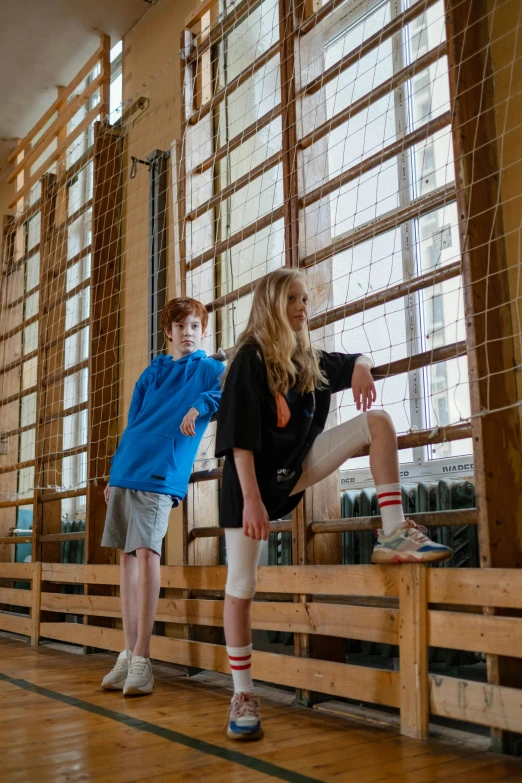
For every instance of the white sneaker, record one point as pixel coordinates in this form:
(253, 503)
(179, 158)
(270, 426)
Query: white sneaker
(115, 679)
(139, 680)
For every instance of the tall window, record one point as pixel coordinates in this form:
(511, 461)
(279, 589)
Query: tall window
(372, 146)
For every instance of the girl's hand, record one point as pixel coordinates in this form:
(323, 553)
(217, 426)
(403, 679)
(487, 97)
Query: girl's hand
(363, 387)
(255, 520)
(187, 425)
(106, 493)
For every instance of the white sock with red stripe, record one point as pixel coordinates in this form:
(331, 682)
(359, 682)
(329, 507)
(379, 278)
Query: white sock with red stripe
(241, 667)
(390, 503)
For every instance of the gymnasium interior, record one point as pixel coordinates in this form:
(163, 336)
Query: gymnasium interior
(152, 149)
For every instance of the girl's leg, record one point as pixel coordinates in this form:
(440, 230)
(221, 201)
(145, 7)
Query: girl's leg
(129, 598)
(400, 540)
(242, 557)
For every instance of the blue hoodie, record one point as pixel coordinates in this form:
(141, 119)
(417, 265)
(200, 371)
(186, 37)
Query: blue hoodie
(153, 455)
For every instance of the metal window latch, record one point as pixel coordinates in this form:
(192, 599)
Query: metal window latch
(134, 167)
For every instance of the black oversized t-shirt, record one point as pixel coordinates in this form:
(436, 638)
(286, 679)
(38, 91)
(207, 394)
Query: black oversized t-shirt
(248, 419)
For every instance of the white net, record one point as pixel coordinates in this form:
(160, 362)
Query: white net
(320, 136)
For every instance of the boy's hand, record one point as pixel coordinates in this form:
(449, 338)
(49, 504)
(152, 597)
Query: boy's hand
(255, 520)
(363, 387)
(187, 425)
(107, 492)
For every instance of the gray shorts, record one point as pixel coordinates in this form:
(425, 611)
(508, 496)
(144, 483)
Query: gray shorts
(136, 520)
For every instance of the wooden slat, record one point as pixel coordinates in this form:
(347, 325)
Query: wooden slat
(213, 531)
(240, 79)
(199, 12)
(374, 95)
(415, 362)
(16, 539)
(12, 623)
(476, 702)
(53, 157)
(407, 287)
(49, 538)
(455, 518)
(36, 590)
(19, 571)
(357, 682)
(324, 580)
(223, 194)
(413, 644)
(359, 622)
(238, 140)
(387, 153)
(49, 497)
(16, 597)
(431, 519)
(235, 239)
(390, 220)
(386, 32)
(478, 633)
(497, 587)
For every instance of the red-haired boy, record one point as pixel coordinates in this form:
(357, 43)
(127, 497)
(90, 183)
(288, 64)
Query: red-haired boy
(172, 404)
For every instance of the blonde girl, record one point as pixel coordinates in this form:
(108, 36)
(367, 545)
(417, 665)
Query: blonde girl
(275, 403)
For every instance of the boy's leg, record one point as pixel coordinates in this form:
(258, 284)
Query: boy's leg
(242, 557)
(129, 598)
(147, 603)
(401, 540)
(140, 680)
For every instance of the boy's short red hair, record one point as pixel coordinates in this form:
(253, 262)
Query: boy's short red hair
(177, 310)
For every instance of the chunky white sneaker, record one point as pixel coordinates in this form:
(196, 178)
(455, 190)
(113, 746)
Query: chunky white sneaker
(139, 680)
(115, 679)
(245, 719)
(409, 544)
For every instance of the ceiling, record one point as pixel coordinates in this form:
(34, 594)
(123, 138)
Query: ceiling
(44, 43)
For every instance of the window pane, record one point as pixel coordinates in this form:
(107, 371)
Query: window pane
(252, 258)
(75, 430)
(75, 388)
(80, 189)
(79, 234)
(27, 445)
(32, 272)
(28, 410)
(29, 370)
(31, 338)
(255, 97)
(76, 348)
(248, 40)
(77, 273)
(257, 198)
(33, 231)
(31, 306)
(25, 482)
(77, 308)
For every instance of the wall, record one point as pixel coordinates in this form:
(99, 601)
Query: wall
(151, 47)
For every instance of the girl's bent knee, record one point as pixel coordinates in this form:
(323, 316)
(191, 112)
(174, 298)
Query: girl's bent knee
(379, 421)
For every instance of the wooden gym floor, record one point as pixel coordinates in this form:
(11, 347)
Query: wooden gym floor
(56, 724)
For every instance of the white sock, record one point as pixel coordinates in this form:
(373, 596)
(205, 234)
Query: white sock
(390, 504)
(241, 667)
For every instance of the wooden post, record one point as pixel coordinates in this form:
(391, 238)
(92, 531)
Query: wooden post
(103, 354)
(105, 89)
(36, 589)
(491, 354)
(47, 516)
(413, 641)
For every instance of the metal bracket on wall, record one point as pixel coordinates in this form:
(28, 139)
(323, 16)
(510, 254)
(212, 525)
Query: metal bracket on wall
(157, 162)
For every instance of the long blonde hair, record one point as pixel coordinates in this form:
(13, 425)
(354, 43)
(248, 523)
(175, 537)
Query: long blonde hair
(290, 358)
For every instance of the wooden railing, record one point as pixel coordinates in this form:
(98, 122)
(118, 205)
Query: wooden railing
(432, 607)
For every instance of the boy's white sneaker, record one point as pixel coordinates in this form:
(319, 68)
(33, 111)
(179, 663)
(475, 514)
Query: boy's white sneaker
(140, 680)
(115, 679)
